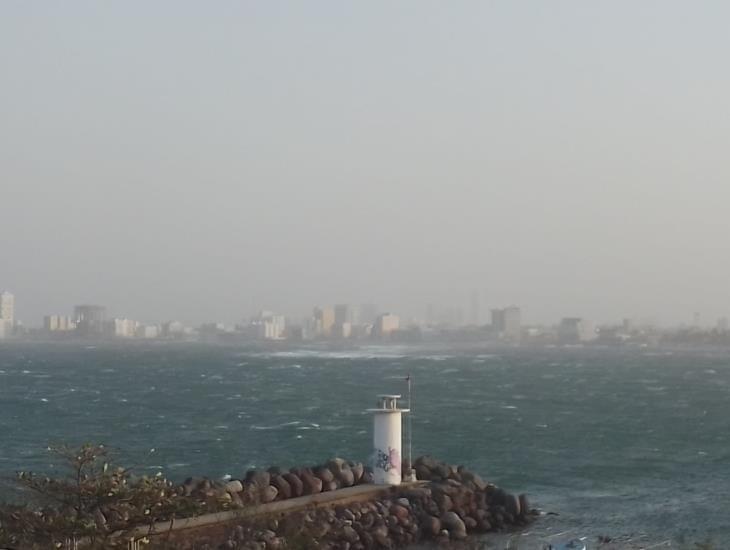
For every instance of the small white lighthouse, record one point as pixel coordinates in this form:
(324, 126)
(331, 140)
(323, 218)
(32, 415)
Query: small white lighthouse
(387, 440)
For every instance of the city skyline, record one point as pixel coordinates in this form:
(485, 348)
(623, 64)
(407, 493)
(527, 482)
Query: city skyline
(239, 157)
(328, 320)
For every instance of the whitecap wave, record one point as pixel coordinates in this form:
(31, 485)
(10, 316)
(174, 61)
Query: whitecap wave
(277, 426)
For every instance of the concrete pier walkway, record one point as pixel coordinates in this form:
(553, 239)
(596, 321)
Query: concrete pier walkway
(357, 493)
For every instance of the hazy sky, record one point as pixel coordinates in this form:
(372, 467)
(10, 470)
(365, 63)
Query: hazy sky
(198, 160)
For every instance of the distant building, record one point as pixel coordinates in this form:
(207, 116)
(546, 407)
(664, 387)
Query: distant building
(355, 316)
(89, 319)
(723, 324)
(173, 329)
(268, 326)
(343, 330)
(507, 322)
(147, 331)
(58, 323)
(342, 314)
(123, 328)
(343, 321)
(7, 307)
(575, 330)
(324, 318)
(385, 325)
(628, 325)
(7, 314)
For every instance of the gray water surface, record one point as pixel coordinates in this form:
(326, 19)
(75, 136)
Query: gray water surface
(616, 442)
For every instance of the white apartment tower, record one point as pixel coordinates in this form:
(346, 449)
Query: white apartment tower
(7, 314)
(7, 307)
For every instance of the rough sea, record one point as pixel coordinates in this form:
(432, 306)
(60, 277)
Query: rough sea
(630, 444)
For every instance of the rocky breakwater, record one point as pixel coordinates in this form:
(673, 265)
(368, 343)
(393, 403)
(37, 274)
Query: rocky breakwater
(454, 504)
(274, 484)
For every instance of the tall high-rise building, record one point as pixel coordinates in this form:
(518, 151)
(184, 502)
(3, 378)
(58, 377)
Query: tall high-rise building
(354, 316)
(324, 318)
(268, 326)
(58, 323)
(343, 321)
(385, 325)
(574, 330)
(507, 322)
(90, 319)
(7, 314)
(123, 328)
(342, 314)
(7, 307)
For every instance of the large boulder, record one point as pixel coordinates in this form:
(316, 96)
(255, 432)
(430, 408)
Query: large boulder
(296, 484)
(524, 504)
(454, 524)
(443, 501)
(258, 477)
(443, 471)
(423, 473)
(380, 534)
(324, 473)
(427, 461)
(431, 526)
(237, 500)
(512, 505)
(268, 494)
(366, 539)
(496, 496)
(312, 485)
(282, 486)
(234, 486)
(319, 529)
(349, 534)
(472, 480)
(336, 464)
(400, 512)
(357, 471)
(345, 477)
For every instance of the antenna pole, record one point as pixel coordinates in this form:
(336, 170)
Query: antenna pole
(410, 432)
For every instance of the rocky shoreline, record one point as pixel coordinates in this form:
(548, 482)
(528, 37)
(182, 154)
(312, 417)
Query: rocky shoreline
(275, 484)
(331, 506)
(448, 503)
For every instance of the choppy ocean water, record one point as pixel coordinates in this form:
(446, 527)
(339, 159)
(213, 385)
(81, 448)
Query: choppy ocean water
(629, 444)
